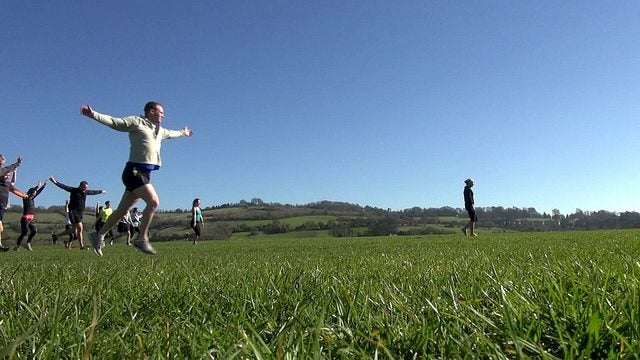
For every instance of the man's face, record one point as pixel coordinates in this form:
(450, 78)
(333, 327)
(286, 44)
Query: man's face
(155, 115)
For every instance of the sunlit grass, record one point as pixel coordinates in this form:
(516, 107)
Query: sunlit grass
(550, 295)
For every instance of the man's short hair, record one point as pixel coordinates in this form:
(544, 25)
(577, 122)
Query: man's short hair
(151, 105)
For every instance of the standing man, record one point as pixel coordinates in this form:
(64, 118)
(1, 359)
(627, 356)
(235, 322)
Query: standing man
(469, 206)
(77, 203)
(5, 188)
(145, 138)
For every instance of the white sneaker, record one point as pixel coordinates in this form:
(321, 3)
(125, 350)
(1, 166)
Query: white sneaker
(28, 246)
(144, 246)
(95, 242)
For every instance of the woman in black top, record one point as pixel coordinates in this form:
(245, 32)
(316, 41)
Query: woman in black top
(28, 215)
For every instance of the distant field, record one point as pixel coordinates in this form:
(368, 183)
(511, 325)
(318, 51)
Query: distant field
(513, 295)
(292, 221)
(458, 219)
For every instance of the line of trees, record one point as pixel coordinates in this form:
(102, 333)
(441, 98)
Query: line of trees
(355, 220)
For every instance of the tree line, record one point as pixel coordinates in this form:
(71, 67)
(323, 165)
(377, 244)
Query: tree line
(356, 220)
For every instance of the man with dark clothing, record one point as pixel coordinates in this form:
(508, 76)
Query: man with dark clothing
(469, 206)
(77, 204)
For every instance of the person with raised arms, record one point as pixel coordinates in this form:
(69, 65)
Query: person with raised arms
(5, 188)
(27, 221)
(77, 204)
(145, 137)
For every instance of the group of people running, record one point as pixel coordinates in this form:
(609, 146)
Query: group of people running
(128, 226)
(145, 137)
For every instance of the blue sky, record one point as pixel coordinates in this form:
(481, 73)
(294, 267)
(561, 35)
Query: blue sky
(384, 103)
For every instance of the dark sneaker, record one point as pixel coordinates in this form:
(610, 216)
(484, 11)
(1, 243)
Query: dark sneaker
(144, 246)
(95, 242)
(4, 248)
(54, 238)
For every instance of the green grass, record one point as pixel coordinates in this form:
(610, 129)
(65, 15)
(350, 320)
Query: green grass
(514, 295)
(462, 219)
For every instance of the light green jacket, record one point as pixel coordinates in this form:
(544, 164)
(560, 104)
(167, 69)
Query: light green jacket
(145, 144)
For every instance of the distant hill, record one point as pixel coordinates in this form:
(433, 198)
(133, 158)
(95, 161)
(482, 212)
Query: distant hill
(334, 218)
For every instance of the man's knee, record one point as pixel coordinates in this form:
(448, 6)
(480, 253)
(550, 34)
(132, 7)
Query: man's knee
(153, 203)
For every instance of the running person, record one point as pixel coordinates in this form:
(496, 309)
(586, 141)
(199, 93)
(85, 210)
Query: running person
(5, 188)
(77, 204)
(28, 215)
(469, 206)
(67, 228)
(145, 137)
(197, 221)
(136, 217)
(102, 214)
(125, 227)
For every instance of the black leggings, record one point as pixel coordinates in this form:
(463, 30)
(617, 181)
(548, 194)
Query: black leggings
(25, 226)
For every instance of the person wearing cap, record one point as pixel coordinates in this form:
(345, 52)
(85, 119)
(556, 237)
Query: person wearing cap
(145, 138)
(27, 222)
(469, 206)
(5, 188)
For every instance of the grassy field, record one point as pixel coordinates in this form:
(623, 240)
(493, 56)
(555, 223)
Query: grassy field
(512, 295)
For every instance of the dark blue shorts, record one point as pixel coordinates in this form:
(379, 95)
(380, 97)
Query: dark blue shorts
(75, 216)
(134, 177)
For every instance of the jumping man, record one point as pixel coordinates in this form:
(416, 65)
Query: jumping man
(145, 137)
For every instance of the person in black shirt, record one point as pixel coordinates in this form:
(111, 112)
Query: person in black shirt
(28, 215)
(77, 201)
(469, 206)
